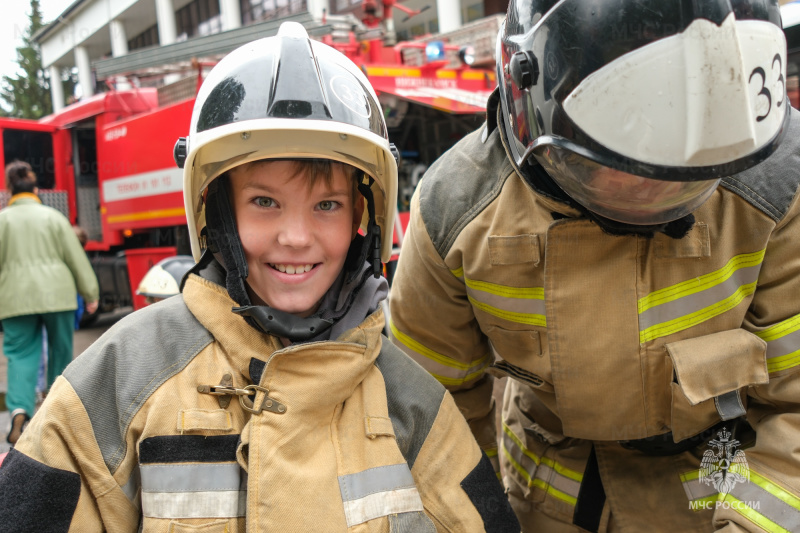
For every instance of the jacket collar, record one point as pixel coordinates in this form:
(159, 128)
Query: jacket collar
(24, 198)
(308, 378)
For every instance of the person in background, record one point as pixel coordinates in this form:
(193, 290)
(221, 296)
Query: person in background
(42, 264)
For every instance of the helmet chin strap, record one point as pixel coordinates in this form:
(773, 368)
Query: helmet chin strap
(223, 240)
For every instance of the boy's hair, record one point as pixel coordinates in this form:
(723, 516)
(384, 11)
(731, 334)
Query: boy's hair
(20, 177)
(318, 169)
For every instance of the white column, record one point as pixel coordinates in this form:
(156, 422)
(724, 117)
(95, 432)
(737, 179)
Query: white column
(56, 88)
(119, 47)
(449, 13)
(231, 14)
(119, 39)
(165, 16)
(315, 7)
(84, 71)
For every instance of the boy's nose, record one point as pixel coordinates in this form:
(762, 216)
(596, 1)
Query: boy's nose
(295, 232)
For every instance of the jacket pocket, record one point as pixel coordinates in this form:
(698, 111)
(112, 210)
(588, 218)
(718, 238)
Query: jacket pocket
(711, 375)
(519, 355)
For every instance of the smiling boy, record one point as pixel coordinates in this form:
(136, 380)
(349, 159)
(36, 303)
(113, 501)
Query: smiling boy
(264, 397)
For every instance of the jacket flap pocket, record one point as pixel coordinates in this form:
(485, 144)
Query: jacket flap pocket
(204, 420)
(712, 365)
(513, 250)
(378, 426)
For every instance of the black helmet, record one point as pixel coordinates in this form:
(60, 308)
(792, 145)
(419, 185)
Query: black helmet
(284, 97)
(637, 108)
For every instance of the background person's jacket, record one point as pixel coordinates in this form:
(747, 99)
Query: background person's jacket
(42, 263)
(351, 435)
(609, 339)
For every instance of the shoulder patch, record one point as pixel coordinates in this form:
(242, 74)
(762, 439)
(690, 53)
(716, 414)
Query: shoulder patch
(460, 184)
(771, 185)
(121, 370)
(37, 497)
(487, 495)
(413, 397)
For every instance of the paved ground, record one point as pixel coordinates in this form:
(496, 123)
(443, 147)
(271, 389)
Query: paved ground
(83, 339)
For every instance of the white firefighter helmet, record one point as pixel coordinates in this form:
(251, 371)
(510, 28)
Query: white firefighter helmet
(164, 278)
(287, 96)
(637, 108)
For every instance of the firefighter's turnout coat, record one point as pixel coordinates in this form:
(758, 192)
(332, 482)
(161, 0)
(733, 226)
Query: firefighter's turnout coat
(350, 435)
(614, 338)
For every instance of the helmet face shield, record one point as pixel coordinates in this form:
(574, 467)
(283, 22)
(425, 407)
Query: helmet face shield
(621, 196)
(664, 89)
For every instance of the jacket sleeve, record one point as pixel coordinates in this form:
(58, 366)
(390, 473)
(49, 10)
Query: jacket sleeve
(456, 480)
(770, 499)
(75, 258)
(55, 478)
(433, 322)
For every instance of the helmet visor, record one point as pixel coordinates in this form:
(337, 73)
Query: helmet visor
(621, 196)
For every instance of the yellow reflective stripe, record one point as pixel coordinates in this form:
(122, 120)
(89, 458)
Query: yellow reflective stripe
(700, 283)
(430, 354)
(536, 482)
(784, 361)
(692, 319)
(775, 490)
(459, 372)
(530, 293)
(563, 470)
(780, 329)
(459, 272)
(757, 518)
(520, 318)
(558, 467)
(491, 452)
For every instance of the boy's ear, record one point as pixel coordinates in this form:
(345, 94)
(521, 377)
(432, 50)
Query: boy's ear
(358, 212)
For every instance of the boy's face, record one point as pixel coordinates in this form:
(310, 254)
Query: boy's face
(295, 239)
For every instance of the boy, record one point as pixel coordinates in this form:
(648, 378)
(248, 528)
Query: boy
(264, 398)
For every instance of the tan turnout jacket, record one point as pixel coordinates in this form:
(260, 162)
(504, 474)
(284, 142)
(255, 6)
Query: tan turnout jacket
(349, 435)
(609, 339)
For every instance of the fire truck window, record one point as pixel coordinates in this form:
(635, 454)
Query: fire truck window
(85, 156)
(34, 147)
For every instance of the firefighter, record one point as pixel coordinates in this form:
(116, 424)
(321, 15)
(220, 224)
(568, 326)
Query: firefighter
(263, 398)
(621, 239)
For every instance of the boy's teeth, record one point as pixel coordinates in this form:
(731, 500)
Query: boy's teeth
(291, 269)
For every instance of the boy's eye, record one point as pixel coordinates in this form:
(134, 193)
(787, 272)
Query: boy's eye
(327, 205)
(264, 201)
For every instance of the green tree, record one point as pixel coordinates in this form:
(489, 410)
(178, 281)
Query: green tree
(28, 93)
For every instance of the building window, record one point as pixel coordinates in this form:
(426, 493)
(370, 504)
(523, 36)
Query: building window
(474, 12)
(148, 37)
(199, 17)
(258, 10)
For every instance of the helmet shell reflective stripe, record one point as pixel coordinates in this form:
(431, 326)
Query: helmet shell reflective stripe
(658, 88)
(288, 97)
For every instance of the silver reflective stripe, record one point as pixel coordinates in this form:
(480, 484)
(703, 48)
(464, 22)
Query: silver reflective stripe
(193, 477)
(217, 504)
(380, 479)
(769, 505)
(783, 345)
(696, 489)
(378, 492)
(417, 522)
(729, 405)
(693, 302)
(194, 490)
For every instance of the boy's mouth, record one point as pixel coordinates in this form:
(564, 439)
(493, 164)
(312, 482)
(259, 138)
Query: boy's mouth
(292, 269)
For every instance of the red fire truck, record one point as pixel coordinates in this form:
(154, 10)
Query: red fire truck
(106, 161)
